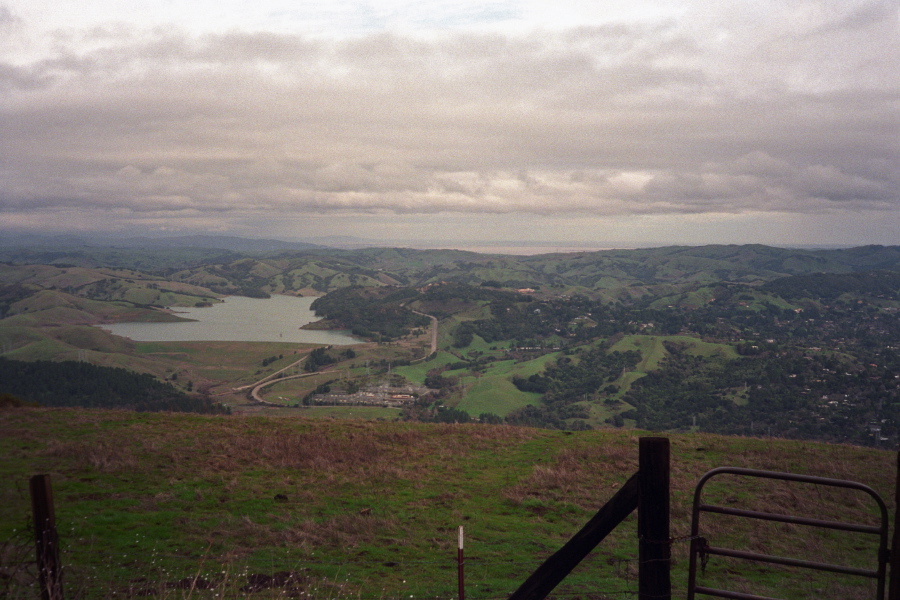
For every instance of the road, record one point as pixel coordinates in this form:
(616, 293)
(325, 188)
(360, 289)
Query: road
(271, 376)
(254, 394)
(434, 331)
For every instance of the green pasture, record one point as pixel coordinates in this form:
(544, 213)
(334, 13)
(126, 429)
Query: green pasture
(653, 351)
(494, 393)
(417, 372)
(351, 509)
(650, 347)
(478, 345)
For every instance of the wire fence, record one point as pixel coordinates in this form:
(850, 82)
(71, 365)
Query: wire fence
(147, 571)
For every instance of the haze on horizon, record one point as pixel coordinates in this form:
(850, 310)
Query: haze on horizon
(634, 122)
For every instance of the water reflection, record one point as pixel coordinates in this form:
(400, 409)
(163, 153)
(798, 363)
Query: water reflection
(238, 319)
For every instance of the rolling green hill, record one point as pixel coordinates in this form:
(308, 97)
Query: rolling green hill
(613, 272)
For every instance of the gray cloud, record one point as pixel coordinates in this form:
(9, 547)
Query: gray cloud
(794, 115)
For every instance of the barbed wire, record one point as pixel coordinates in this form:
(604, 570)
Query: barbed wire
(354, 574)
(90, 581)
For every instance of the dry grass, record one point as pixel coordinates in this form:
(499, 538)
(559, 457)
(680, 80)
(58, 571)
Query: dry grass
(580, 475)
(103, 456)
(343, 531)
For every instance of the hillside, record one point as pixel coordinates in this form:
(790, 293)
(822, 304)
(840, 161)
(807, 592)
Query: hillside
(70, 383)
(341, 509)
(725, 339)
(319, 270)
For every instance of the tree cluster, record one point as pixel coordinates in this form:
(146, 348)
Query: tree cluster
(82, 384)
(370, 313)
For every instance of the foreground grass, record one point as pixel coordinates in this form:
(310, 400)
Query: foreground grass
(165, 504)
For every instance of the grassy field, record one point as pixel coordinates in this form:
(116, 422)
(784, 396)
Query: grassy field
(489, 392)
(153, 504)
(417, 372)
(350, 412)
(494, 393)
(650, 347)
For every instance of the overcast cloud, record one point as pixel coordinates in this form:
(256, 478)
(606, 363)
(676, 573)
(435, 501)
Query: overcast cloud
(662, 122)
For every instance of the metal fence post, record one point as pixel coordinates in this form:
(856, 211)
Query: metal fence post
(460, 565)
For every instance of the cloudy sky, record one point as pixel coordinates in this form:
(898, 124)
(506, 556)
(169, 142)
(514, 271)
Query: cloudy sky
(613, 122)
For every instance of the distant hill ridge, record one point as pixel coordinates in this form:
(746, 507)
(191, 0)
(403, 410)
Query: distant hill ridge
(231, 265)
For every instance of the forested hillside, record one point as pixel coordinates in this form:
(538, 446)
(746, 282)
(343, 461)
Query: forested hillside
(70, 383)
(729, 358)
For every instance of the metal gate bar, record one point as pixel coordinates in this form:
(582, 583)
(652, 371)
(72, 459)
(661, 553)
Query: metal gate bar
(700, 547)
(753, 514)
(732, 595)
(789, 562)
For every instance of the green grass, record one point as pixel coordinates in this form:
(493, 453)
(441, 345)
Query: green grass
(653, 352)
(417, 372)
(650, 347)
(478, 345)
(371, 509)
(491, 391)
(698, 347)
(534, 366)
(494, 393)
(44, 349)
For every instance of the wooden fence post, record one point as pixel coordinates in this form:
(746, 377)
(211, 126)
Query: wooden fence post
(654, 551)
(46, 538)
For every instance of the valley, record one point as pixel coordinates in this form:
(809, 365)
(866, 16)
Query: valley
(748, 340)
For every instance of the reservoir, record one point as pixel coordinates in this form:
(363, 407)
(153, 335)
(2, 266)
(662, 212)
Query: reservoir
(238, 319)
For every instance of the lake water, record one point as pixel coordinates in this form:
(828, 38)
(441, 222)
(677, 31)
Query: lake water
(238, 319)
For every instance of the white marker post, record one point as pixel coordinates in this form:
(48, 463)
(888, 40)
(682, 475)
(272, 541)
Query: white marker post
(459, 565)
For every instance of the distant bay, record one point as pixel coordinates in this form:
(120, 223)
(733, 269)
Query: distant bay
(238, 319)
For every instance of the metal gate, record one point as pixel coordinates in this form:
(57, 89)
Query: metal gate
(700, 547)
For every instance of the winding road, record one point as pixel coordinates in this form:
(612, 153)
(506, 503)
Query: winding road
(271, 376)
(274, 377)
(254, 393)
